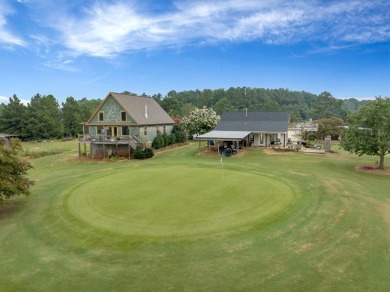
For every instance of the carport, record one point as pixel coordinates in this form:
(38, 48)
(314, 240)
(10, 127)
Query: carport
(221, 136)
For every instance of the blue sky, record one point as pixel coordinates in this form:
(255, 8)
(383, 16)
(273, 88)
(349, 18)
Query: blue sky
(89, 48)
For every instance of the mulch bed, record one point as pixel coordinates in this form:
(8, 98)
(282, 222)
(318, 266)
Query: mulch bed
(372, 169)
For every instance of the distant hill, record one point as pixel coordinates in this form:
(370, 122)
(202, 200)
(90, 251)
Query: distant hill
(302, 105)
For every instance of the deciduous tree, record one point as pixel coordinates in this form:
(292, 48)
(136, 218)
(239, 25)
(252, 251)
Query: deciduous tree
(88, 107)
(326, 106)
(172, 106)
(223, 105)
(369, 130)
(330, 126)
(13, 170)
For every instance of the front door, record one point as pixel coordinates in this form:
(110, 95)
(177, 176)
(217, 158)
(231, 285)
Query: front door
(114, 131)
(261, 139)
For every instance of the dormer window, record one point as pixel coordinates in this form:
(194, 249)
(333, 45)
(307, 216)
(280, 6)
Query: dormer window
(101, 116)
(123, 116)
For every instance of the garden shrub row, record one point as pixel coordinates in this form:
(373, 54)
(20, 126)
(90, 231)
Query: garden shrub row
(178, 135)
(143, 153)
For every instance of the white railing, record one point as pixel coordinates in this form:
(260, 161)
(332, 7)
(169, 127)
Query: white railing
(107, 139)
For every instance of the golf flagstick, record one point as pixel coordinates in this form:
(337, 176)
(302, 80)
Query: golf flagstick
(223, 178)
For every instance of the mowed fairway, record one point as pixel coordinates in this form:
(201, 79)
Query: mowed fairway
(179, 221)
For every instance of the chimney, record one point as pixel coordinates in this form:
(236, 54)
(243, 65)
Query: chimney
(146, 111)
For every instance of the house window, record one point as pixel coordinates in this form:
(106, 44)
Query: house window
(145, 131)
(101, 116)
(125, 131)
(274, 138)
(157, 129)
(99, 130)
(123, 117)
(165, 130)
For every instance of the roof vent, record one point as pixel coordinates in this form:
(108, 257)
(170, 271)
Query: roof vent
(146, 111)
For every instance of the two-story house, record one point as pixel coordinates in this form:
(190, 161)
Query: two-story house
(121, 123)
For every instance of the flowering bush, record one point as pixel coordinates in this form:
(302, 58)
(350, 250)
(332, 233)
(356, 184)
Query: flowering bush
(201, 121)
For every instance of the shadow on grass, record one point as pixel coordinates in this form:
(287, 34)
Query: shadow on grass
(8, 208)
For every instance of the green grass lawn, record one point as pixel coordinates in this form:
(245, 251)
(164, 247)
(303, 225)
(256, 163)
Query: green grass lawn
(265, 222)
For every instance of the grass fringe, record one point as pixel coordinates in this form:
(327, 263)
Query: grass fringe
(40, 154)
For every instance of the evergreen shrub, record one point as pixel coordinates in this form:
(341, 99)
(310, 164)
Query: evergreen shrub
(143, 153)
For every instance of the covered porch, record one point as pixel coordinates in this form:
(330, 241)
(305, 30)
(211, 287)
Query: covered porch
(267, 139)
(221, 139)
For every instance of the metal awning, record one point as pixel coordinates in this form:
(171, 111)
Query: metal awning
(224, 135)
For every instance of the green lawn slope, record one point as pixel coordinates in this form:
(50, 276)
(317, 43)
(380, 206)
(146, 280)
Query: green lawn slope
(186, 222)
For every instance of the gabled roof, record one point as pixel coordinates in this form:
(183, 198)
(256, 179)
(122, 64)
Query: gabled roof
(143, 109)
(274, 121)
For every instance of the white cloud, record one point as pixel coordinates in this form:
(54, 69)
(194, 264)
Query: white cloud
(105, 29)
(61, 64)
(5, 100)
(6, 36)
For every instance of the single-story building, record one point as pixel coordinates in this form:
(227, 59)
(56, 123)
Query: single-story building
(251, 128)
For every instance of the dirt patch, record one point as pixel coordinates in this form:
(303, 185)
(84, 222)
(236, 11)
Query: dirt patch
(272, 151)
(170, 148)
(372, 169)
(312, 151)
(6, 209)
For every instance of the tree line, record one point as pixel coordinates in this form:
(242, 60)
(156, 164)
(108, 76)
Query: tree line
(301, 105)
(45, 118)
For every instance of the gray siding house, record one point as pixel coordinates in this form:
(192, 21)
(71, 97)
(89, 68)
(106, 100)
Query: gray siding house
(121, 123)
(251, 128)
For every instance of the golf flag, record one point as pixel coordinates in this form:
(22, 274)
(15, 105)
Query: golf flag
(223, 177)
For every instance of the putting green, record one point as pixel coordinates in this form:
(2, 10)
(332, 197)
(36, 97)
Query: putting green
(177, 201)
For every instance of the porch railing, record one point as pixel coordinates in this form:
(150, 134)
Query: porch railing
(107, 139)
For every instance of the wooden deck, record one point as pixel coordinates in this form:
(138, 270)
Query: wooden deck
(104, 139)
(108, 142)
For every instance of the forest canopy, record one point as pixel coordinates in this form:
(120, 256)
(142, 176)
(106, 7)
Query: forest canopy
(45, 118)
